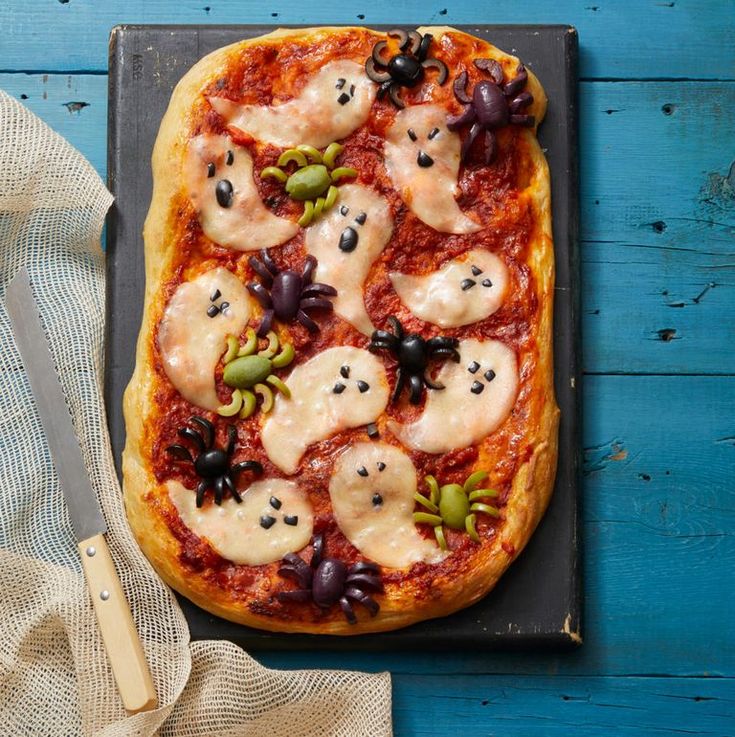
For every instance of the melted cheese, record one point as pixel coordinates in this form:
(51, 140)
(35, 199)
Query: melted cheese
(455, 417)
(247, 224)
(234, 530)
(429, 191)
(334, 103)
(347, 270)
(191, 342)
(384, 532)
(455, 295)
(315, 411)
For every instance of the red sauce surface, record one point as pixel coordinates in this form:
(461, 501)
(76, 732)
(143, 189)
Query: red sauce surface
(493, 195)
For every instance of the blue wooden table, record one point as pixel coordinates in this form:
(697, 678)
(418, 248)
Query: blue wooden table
(657, 154)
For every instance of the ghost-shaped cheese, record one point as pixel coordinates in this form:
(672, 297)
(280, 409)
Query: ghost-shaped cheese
(218, 179)
(466, 289)
(372, 489)
(335, 102)
(479, 393)
(422, 160)
(193, 331)
(346, 241)
(274, 518)
(339, 388)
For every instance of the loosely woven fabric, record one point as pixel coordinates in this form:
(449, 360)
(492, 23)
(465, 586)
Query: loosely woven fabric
(54, 675)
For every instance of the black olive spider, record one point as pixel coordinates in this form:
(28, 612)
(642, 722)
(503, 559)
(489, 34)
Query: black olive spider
(413, 354)
(326, 581)
(405, 69)
(212, 464)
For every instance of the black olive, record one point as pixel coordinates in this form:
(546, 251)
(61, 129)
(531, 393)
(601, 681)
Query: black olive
(344, 372)
(361, 218)
(230, 158)
(339, 387)
(381, 466)
(211, 463)
(486, 283)
(377, 500)
(212, 310)
(291, 519)
(467, 284)
(412, 354)
(433, 134)
(363, 386)
(328, 582)
(473, 367)
(477, 387)
(210, 170)
(343, 99)
(362, 471)
(489, 374)
(476, 270)
(286, 294)
(406, 70)
(348, 240)
(224, 193)
(275, 502)
(266, 521)
(424, 160)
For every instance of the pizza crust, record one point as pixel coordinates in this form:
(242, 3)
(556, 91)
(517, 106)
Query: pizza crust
(145, 499)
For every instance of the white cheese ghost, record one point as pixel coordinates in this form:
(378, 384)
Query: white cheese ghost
(372, 489)
(479, 393)
(192, 333)
(463, 291)
(339, 388)
(346, 241)
(422, 160)
(274, 518)
(218, 179)
(335, 102)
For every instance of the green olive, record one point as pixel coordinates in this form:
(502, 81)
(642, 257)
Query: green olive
(474, 480)
(454, 506)
(246, 371)
(309, 182)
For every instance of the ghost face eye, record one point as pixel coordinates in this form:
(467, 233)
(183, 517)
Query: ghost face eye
(347, 92)
(210, 170)
(412, 134)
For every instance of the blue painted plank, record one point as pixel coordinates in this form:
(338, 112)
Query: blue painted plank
(75, 106)
(641, 39)
(425, 706)
(658, 227)
(658, 533)
(658, 214)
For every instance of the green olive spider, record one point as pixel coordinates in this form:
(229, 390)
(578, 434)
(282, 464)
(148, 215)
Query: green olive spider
(314, 179)
(455, 505)
(246, 370)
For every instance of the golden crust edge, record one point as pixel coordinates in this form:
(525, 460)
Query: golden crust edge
(524, 510)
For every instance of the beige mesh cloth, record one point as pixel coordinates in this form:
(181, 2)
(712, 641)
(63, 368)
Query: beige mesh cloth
(54, 676)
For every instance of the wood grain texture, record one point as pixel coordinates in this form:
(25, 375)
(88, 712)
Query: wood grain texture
(619, 40)
(657, 213)
(562, 706)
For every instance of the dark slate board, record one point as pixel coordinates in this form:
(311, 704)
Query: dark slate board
(537, 604)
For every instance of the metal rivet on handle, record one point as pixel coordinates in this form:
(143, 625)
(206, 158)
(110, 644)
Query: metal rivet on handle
(104, 595)
(91, 551)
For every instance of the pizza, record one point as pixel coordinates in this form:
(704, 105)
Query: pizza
(342, 416)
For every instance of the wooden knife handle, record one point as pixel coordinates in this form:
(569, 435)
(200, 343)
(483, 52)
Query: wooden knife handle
(124, 650)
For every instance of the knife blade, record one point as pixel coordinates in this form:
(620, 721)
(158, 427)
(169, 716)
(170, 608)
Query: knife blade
(84, 509)
(123, 646)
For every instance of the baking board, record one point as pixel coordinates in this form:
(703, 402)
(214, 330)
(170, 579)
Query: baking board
(538, 602)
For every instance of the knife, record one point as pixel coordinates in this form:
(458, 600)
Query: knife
(123, 646)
